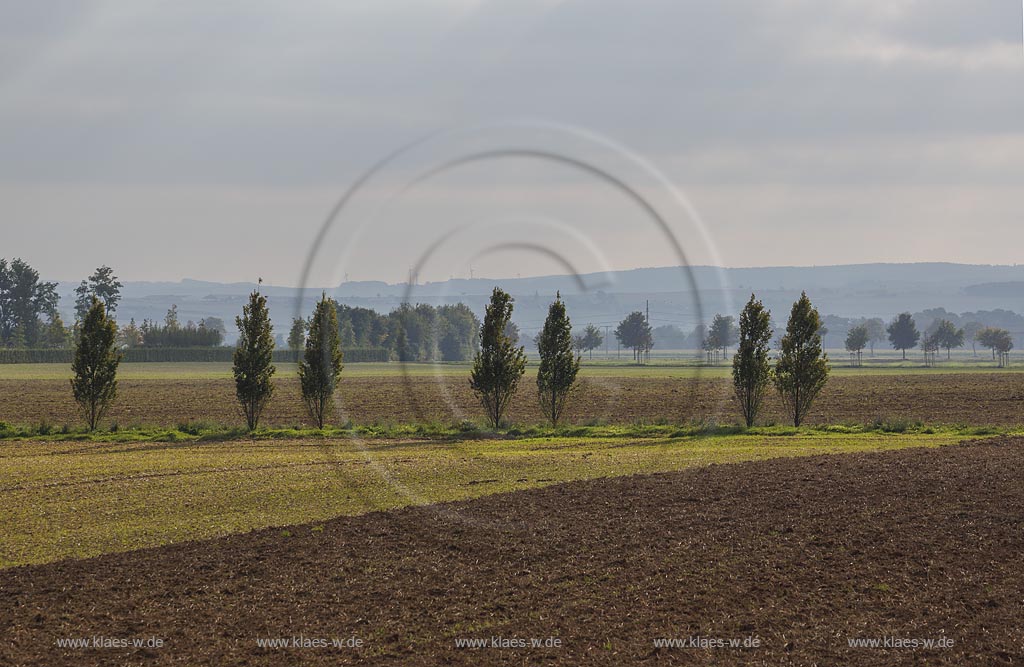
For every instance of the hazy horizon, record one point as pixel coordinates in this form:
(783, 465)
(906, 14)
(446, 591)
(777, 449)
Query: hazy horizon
(201, 279)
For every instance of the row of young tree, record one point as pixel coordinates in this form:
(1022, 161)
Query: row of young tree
(498, 365)
(902, 334)
(798, 373)
(97, 357)
(942, 334)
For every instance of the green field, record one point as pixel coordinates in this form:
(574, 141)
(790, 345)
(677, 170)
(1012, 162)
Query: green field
(79, 499)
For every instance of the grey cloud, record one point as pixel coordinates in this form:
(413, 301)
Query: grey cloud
(736, 95)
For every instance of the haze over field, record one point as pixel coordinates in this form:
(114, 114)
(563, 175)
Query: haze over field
(867, 290)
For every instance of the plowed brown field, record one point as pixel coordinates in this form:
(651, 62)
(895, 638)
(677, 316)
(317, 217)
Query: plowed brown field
(802, 555)
(976, 399)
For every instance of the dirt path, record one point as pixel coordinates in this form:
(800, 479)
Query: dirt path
(800, 554)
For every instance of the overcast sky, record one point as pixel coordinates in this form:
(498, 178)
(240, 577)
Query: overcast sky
(210, 140)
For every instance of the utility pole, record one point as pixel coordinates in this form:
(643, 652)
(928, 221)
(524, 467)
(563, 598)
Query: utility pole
(647, 321)
(606, 327)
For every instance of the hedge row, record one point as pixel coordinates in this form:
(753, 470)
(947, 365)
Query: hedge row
(143, 354)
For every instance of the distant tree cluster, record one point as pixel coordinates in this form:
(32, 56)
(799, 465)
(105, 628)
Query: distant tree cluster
(28, 308)
(999, 341)
(208, 333)
(411, 333)
(720, 336)
(588, 341)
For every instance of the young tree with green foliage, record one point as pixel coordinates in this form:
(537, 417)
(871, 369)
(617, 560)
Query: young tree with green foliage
(321, 365)
(297, 334)
(103, 285)
(634, 332)
(254, 359)
(903, 333)
(751, 373)
(930, 345)
(723, 333)
(856, 340)
(802, 369)
(592, 339)
(1003, 342)
(95, 364)
(989, 337)
(948, 336)
(558, 362)
(1000, 341)
(499, 364)
(876, 332)
(56, 336)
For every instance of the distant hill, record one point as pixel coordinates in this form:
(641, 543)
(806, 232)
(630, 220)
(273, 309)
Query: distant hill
(997, 290)
(674, 295)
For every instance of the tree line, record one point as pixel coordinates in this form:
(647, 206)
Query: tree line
(941, 334)
(29, 319)
(799, 373)
(901, 333)
(410, 333)
(498, 364)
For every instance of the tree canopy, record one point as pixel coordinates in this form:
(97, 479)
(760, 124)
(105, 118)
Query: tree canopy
(499, 364)
(903, 333)
(558, 363)
(751, 373)
(802, 369)
(634, 332)
(24, 300)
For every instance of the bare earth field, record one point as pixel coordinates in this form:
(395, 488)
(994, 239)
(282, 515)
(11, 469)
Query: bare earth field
(974, 399)
(803, 554)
